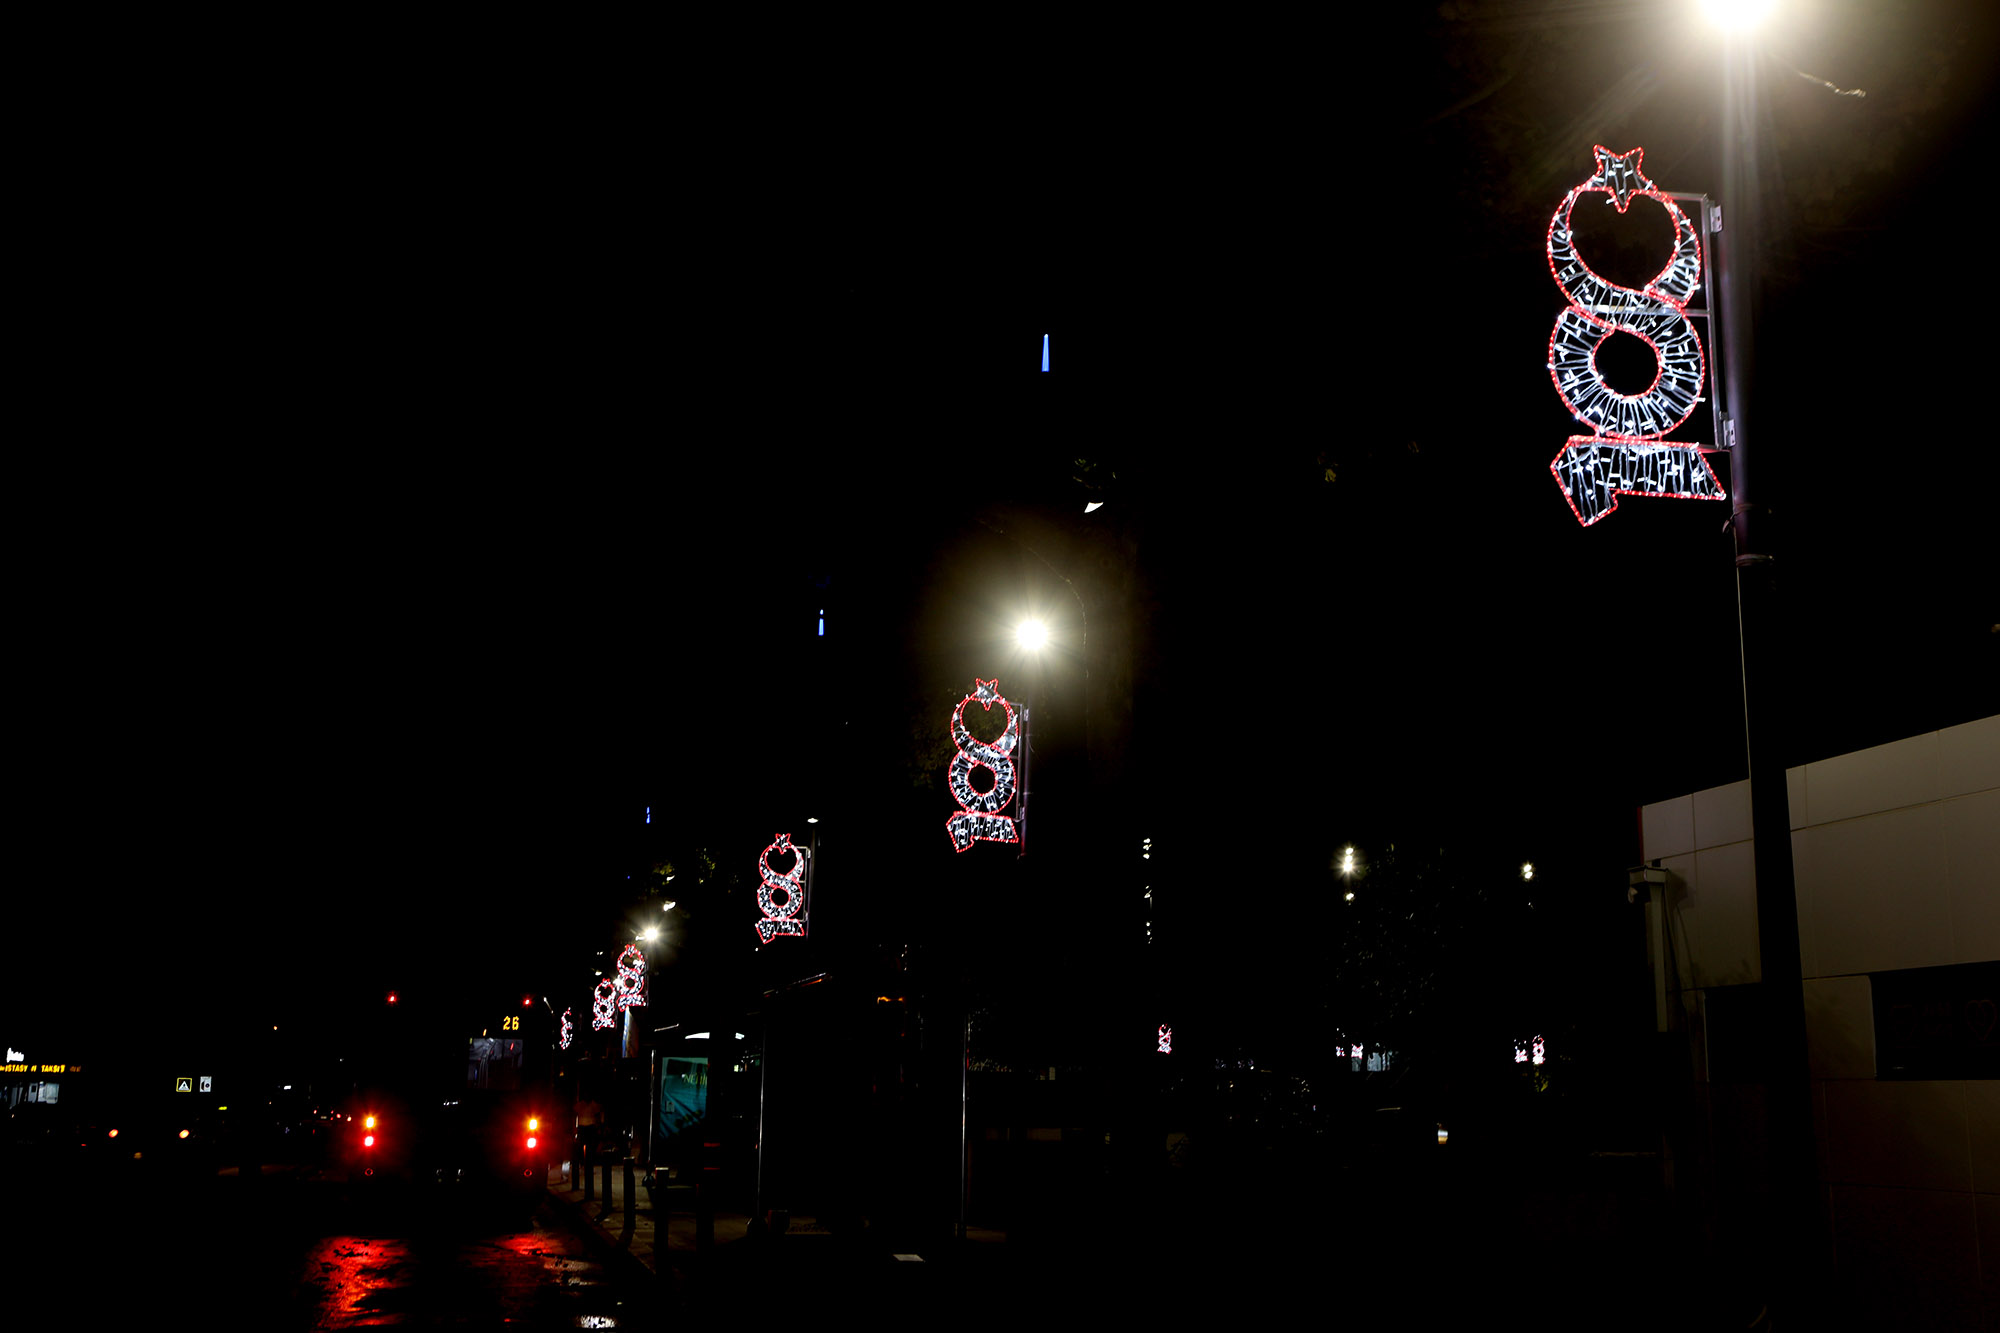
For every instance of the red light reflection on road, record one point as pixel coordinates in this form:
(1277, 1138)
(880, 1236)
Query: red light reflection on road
(349, 1276)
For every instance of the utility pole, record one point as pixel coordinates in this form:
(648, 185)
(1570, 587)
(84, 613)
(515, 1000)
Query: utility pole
(1793, 1164)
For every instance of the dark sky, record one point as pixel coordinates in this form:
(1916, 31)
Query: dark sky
(420, 493)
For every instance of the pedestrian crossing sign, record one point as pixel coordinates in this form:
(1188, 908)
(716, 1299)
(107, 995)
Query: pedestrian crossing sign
(183, 1085)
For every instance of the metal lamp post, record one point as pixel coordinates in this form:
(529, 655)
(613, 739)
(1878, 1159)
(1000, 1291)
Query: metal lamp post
(1793, 1159)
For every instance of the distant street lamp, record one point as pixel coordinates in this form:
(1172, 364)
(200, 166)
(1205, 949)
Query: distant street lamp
(1031, 634)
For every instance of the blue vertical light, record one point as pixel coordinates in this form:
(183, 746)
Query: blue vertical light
(822, 622)
(1045, 351)
(649, 814)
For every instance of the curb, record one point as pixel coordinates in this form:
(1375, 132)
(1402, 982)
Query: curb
(629, 1266)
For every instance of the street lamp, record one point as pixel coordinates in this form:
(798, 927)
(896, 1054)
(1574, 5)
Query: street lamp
(1737, 15)
(1031, 634)
(1793, 1158)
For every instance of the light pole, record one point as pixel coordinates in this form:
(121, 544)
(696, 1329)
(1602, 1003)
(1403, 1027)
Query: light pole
(1793, 1166)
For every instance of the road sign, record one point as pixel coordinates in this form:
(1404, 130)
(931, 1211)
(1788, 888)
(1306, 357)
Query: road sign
(183, 1084)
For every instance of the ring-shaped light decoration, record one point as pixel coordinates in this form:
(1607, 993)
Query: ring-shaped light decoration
(1599, 308)
(969, 796)
(604, 1004)
(630, 981)
(781, 918)
(1000, 749)
(978, 818)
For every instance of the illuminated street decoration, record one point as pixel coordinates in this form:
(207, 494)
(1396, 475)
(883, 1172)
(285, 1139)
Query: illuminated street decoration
(1540, 1052)
(1166, 1040)
(1520, 1054)
(568, 1029)
(630, 983)
(1627, 455)
(781, 917)
(979, 817)
(604, 1004)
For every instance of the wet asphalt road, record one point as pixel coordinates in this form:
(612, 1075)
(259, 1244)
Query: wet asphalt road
(292, 1251)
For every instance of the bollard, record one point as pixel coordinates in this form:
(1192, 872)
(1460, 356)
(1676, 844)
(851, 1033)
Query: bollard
(631, 1192)
(607, 1184)
(583, 1160)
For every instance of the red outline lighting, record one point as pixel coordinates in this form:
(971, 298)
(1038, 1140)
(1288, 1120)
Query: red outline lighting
(630, 983)
(1628, 455)
(781, 919)
(978, 818)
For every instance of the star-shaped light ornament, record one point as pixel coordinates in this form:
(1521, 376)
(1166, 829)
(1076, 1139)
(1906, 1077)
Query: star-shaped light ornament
(985, 692)
(1620, 174)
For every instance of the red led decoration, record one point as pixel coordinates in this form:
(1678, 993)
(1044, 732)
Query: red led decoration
(978, 817)
(604, 1004)
(630, 983)
(1627, 455)
(1166, 1040)
(568, 1029)
(781, 918)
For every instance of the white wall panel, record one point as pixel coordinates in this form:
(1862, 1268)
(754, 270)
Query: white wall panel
(1969, 757)
(1970, 827)
(1909, 1258)
(1668, 828)
(1726, 935)
(1877, 896)
(1840, 1027)
(1885, 777)
(1908, 1134)
(1722, 815)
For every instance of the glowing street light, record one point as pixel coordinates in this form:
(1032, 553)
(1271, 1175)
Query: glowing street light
(1737, 15)
(1031, 634)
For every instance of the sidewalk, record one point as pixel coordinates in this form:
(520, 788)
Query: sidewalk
(658, 1233)
(658, 1240)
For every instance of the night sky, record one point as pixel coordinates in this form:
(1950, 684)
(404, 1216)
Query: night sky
(421, 494)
